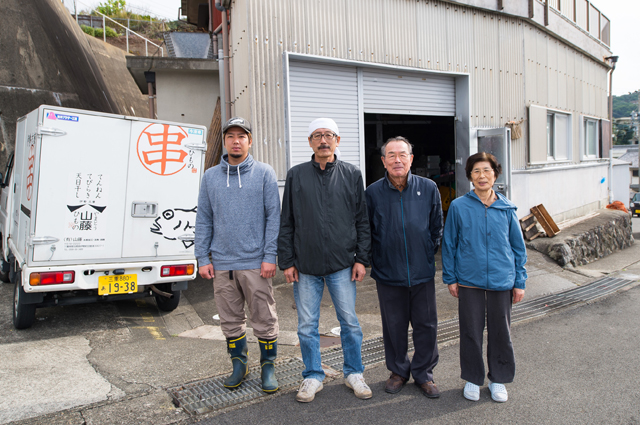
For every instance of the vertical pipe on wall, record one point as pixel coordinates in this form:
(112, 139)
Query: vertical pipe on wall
(225, 47)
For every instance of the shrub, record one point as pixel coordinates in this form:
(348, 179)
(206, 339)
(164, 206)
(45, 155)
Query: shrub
(110, 32)
(89, 30)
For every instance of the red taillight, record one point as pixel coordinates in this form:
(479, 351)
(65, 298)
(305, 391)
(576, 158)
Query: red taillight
(179, 270)
(52, 278)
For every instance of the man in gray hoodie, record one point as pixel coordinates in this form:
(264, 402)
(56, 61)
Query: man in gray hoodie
(237, 228)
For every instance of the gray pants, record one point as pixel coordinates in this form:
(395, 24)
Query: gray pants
(473, 306)
(230, 293)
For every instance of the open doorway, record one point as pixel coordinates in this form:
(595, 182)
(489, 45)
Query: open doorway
(434, 148)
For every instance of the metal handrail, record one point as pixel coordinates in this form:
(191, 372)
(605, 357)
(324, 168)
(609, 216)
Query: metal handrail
(146, 40)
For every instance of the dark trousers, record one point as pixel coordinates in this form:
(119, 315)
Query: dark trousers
(473, 306)
(399, 306)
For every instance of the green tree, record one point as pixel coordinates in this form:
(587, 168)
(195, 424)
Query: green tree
(112, 7)
(625, 104)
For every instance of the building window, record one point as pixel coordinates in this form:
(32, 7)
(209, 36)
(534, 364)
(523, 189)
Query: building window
(634, 173)
(558, 140)
(590, 132)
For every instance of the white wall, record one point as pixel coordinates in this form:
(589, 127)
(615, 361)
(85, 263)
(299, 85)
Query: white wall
(187, 96)
(621, 180)
(566, 192)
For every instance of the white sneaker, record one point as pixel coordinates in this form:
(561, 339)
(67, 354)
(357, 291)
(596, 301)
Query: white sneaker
(355, 381)
(498, 392)
(308, 390)
(471, 392)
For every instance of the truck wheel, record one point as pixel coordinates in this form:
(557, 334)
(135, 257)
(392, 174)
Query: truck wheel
(23, 314)
(167, 304)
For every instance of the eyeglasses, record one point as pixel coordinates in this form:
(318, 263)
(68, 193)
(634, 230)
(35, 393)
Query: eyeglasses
(485, 171)
(392, 156)
(316, 137)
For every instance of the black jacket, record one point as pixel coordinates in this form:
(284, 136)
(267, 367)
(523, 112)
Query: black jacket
(406, 229)
(324, 226)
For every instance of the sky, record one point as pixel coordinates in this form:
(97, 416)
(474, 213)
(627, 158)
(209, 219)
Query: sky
(623, 14)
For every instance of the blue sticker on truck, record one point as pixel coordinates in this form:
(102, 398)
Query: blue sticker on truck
(62, 117)
(195, 131)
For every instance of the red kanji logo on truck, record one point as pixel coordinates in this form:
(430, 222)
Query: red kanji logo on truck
(160, 149)
(31, 165)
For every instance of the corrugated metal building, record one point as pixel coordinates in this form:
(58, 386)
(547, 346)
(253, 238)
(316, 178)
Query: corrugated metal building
(449, 75)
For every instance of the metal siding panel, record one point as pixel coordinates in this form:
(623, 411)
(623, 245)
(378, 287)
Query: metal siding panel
(432, 35)
(562, 76)
(321, 90)
(365, 18)
(400, 46)
(512, 93)
(542, 69)
(406, 92)
(456, 40)
(485, 75)
(511, 72)
(268, 36)
(531, 65)
(552, 61)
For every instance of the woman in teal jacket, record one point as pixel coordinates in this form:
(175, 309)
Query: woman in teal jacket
(483, 258)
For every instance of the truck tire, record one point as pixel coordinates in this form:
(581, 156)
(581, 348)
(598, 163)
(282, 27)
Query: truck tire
(164, 303)
(23, 314)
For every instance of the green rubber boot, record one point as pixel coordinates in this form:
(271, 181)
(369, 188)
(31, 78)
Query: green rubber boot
(268, 353)
(237, 349)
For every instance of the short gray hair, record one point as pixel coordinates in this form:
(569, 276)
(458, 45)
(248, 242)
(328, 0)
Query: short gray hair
(397, 139)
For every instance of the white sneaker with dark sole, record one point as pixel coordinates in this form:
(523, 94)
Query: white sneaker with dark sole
(498, 392)
(471, 392)
(308, 390)
(355, 381)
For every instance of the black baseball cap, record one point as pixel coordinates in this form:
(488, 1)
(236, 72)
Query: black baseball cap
(237, 122)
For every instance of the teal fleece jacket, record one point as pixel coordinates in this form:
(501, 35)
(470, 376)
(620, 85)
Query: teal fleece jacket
(238, 216)
(483, 247)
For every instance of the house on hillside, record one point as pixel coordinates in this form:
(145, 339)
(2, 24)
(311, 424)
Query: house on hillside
(524, 79)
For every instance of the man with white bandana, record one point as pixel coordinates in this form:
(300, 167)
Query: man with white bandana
(325, 240)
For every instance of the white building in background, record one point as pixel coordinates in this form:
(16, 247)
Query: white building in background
(448, 75)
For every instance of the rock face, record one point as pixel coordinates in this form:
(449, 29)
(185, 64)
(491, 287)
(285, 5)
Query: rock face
(45, 58)
(588, 241)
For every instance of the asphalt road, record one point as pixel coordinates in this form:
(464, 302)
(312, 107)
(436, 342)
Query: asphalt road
(576, 367)
(112, 363)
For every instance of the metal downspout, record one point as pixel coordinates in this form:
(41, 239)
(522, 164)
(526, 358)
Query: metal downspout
(227, 73)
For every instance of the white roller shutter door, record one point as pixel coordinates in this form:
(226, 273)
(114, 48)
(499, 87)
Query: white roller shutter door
(401, 92)
(321, 90)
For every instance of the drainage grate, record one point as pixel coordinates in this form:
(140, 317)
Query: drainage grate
(209, 394)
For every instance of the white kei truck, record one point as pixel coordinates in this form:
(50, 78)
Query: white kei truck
(99, 207)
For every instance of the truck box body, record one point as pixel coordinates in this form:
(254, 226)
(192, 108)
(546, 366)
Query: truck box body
(93, 193)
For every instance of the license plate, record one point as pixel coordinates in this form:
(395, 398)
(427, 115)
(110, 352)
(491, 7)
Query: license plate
(118, 284)
(637, 211)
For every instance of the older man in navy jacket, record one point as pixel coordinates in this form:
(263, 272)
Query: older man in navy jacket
(405, 213)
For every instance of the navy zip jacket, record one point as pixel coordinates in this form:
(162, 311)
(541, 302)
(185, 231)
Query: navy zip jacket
(483, 246)
(406, 228)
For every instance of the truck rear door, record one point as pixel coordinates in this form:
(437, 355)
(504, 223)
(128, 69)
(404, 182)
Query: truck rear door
(165, 166)
(81, 187)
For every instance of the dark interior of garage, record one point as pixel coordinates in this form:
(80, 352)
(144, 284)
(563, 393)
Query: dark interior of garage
(433, 140)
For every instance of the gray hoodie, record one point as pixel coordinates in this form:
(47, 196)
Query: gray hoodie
(238, 216)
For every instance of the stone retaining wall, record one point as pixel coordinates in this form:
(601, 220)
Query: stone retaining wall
(588, 241)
